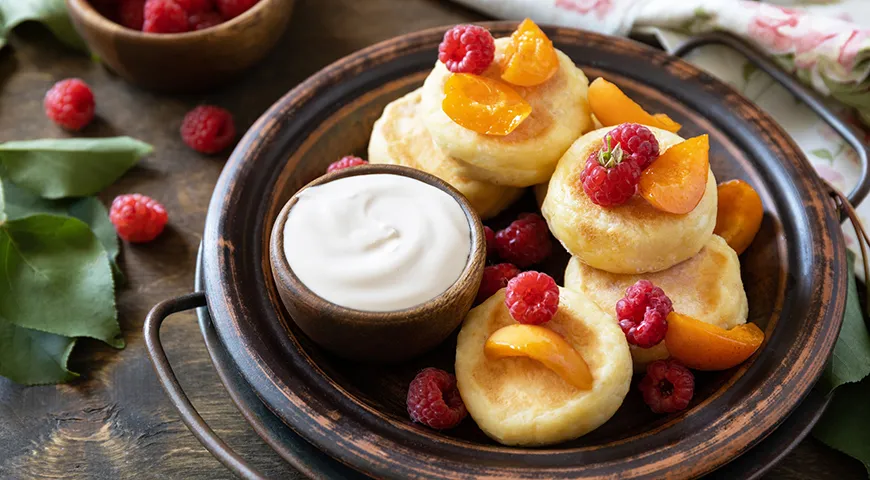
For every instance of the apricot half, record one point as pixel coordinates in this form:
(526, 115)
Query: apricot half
(544, 345)
(612, 107)
(740, 213)
(703, 346)
(676, 181)
(530, 58)
(484, 105)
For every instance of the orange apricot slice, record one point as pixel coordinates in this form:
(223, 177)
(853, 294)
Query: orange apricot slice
(544, 345)
(612, 107)
(703, 346)
(739, 214)
(484, 105)
(530, 58)
(676, 181)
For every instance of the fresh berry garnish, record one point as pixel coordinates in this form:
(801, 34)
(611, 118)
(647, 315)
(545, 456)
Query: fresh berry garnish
(525, 241)
(345, 162)
(433, 399)
(195, 6)
(208, 129)
(233, 8)
(164, 16)
(608, 179)
(495, 277)
(490, 241)
(467, 49)
(131, 13)
(70, 104)
(201, 21)
(668, 386)
(532, 298)
(643, 314)
(638, 143)
(137, 218)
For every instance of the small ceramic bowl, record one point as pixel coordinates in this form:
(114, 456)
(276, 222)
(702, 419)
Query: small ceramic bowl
(379, 336)
(183, 62)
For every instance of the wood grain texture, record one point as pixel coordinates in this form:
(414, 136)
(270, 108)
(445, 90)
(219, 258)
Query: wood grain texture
(117, 422)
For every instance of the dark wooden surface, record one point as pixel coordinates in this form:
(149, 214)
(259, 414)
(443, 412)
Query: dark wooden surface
(116, 422)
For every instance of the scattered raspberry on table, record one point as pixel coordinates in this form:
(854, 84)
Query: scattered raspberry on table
(345, 162)
(668, 386)
(208, 129)
(467, 49)
(70, 104)
(164, 16)
(137, 218)
(495, 277)
(489, 234)
(532, 298)
(525, 241)
(642, 314)
(433, 399)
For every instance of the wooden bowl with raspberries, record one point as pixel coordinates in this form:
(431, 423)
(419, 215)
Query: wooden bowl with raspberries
(180, 45)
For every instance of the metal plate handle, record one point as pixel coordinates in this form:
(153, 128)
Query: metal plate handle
(167, 378)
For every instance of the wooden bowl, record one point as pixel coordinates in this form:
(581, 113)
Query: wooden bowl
(183, 62)
(379, 336)
(794, 274)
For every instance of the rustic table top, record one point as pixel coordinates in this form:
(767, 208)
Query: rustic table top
(116, 422)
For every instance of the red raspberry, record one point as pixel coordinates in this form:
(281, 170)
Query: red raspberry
(208, 129)
(70, 104)
(233, 8)
(467, 49)
(526, 241)
(434, 400)
(195, 6)
(131, 13)
(607, 179)
(532, 298)
(137, 218)
(643, 314)
(638, 143)
(201, 21)
(345, 162)
(495, 277)
(164, 16)
(668, 386)
(490, 241)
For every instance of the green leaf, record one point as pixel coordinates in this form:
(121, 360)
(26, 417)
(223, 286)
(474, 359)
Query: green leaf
(845, 425)
(31, 357)
(823, 153)
(749, 69)
(56, 278)
(51, 13)
(70, 167)
(2, 205)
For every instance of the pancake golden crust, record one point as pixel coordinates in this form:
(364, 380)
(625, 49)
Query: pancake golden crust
(630, 238)
(707, 287)
(400, 138)
(528, 155)
(518, 401)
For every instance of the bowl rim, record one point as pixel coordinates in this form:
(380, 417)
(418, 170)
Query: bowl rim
(455, 292)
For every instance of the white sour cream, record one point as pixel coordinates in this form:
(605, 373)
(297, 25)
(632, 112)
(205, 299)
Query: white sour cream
(378, 242)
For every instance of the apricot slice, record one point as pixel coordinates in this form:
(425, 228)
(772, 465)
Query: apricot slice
(703, 346)
(676, 181)
(739, 216)
(530, 58)
(484, 105)
(544, 345)
(612, 107)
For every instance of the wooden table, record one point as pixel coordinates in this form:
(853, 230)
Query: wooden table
(116, 422)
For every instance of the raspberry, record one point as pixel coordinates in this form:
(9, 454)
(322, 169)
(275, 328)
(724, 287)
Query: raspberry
(525, 241)
(70, 104)
(490, 241)
(233, 8)
(642, 314)
(195, 6)
(131, 13)
(201, 21)
(433, 399)
(208, 129)
(164, 16)
(668, 386)
(495, 278)
(638, 143)
(607, 179)
(467, 49)
(532, 298)
(345, 162)
(137, 218)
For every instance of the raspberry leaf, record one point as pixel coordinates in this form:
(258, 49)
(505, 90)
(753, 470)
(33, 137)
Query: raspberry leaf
(31, 357)
(51, 13)
(57, 279)
(70, 167)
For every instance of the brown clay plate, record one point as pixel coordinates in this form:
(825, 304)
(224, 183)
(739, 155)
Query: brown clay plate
(794, 274)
